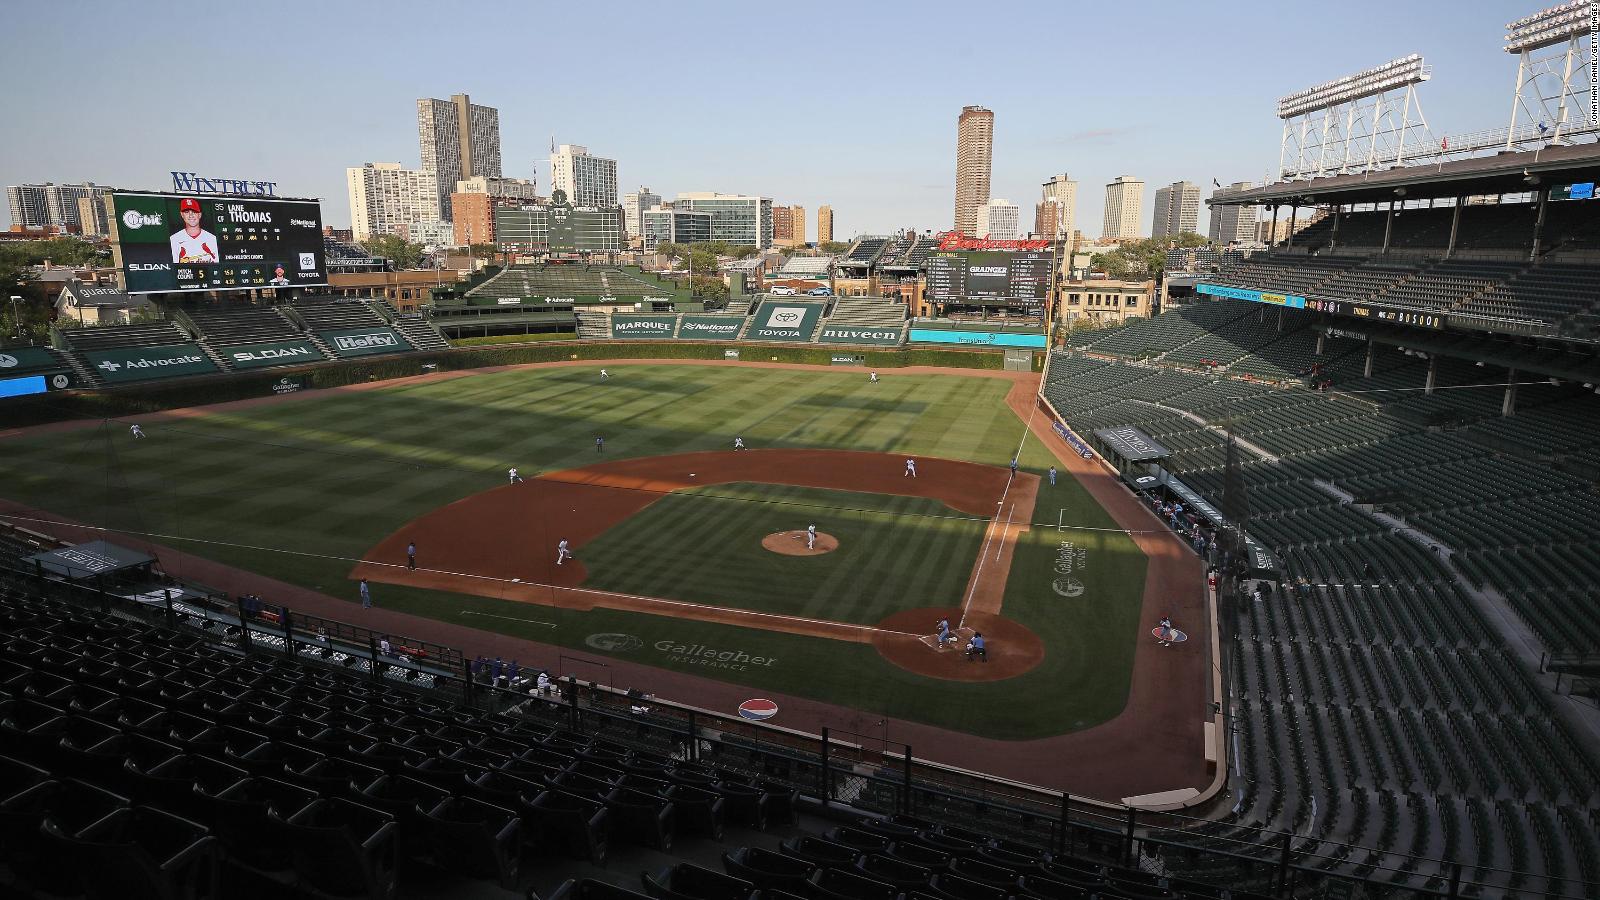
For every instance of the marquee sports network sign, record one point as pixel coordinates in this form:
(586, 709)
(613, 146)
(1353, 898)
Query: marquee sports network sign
(642, 327)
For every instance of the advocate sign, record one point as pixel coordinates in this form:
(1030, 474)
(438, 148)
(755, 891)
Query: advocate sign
(778, 321)
(364, 341)
(144, 363)
(637, 327)
(261, 356)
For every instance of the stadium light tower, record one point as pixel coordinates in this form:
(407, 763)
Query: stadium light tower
(1358, 123)
(1555, 97)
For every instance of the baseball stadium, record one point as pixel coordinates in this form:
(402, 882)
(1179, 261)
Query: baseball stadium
(569, 582)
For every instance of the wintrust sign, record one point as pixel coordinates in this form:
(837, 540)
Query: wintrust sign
(190, 183)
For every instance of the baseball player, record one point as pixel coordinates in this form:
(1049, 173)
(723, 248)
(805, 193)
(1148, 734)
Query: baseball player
(1013, 467)
(599, 444)
(944, 631)
(738, 443)
(604, 374)
(366, 595)
(911, 468)
(562, 553)
(874, 378)
(192, 244)
(514, 476)
(1052, 476)
(811, 537)
(1164, 636)
(136, 431)
(411, 555)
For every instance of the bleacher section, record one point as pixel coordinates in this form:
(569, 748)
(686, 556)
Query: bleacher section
(242, 325)
(863, 253)
(343, 257)
(870, 312)
(109, 337)
(573, 282)
(328, 313)
(1372, 682)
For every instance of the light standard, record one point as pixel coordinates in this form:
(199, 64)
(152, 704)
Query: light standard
(16, 318)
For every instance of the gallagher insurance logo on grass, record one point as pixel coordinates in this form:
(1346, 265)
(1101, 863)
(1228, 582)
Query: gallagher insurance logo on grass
(613, 642)
(1071, 561)
(701, 655)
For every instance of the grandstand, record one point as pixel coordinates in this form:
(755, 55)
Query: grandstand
(579, 283)
(343, 257)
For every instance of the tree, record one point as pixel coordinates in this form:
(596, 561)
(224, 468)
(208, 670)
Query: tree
(707, 286)
(1143, 259)
(702, 261)
(744, 252)
(483, 250)
(402, 254)
(833, 247)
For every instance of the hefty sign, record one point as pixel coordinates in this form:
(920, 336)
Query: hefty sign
(364, 341)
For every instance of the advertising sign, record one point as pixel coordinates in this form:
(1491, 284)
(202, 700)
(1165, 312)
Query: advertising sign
(143, 363)
(177, 243)
(1222, 290)
(290, 384)
(364, 341)
(1418, 318)
(645, 327)
(847, 334)
(710, 328)
(982, 338)
(23, 385)
(784, 321)
(18, 360)
(260, 356)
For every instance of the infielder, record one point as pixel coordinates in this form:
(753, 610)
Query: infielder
(811, 537)
(136, 431)
(562, 553)
(738, 443)
(599, 444)
(911, 468)
(514, 476)
(874, 378)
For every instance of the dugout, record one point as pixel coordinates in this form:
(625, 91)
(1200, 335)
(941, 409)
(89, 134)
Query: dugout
(1129, 449)
(1154, 481)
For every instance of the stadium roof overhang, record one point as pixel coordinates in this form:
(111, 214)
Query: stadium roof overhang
(1506, 173)
(91, 559)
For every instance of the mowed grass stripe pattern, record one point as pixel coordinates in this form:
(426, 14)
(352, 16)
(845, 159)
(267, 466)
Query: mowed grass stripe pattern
(704, 546)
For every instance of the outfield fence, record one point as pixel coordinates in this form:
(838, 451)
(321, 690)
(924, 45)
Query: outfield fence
(859, 772)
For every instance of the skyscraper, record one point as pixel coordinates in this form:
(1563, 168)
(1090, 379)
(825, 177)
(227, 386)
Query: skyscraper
(388, 199)
(782, 226)
(824, 224)
(1056, 215)
(1124, 200)
(40, 205)
(458, 139)
(799, 218)
(634, 205)
(1177, 210)
(999, 220)
(586, 180)
(739, 219)
(974, 157)
(1232, 224)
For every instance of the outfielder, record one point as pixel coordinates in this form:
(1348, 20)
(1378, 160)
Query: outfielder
(738, 443)
(911, 468)
(136, 431)
(874, 378)
(514, 476)
(811, 537)
(562, 553)
(604, 374)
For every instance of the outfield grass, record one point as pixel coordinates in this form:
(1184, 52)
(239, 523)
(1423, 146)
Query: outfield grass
(894, 552)
(299, 490)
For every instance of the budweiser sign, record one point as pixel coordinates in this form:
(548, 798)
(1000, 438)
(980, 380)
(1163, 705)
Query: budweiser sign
(955, 240)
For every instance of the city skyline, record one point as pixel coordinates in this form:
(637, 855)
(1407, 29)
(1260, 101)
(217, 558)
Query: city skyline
(882, 180)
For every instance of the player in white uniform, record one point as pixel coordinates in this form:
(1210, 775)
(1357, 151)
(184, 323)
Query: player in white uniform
(562, 553)
(136, 431)
(193, 244)
(874, 378)
(514, 476)
(911, 468)
(738, 443)
(811, 537)
(604, 374)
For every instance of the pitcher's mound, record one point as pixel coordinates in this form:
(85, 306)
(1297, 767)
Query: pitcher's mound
(793, 543)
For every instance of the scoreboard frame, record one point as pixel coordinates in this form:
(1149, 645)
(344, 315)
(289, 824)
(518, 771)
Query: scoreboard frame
(253, 236)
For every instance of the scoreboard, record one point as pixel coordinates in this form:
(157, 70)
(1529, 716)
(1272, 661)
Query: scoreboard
(1020, 276)
(172, 242)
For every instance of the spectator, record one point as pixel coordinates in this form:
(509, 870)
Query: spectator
(543, 684)
(383, 646)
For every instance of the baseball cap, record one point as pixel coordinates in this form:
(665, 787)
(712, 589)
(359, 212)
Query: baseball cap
(188, 204)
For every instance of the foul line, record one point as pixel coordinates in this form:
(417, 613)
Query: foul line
(468, 612)
(977, 576)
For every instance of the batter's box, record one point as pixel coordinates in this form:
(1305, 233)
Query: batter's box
(958, 640)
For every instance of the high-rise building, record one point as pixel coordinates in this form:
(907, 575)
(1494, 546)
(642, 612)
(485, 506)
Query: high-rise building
(741, 220)
(788, 226)
(386, 198)
(1060, 205)
(1177, 210)
(999, 220)
(588, 181)
(50, 204)
(458, 139)
(974, 157)
(92, 216)
(668, 225)
(1124, 200)
(1232, 224)
(634, 205)
(473, 203)
(824, 224)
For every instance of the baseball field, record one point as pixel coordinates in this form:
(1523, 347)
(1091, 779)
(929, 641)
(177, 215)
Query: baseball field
(689, 556)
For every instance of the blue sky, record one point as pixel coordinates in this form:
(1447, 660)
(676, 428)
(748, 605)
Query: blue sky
(850, 104)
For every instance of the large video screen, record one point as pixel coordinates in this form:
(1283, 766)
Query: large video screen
(955, 275)
(170, 242)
